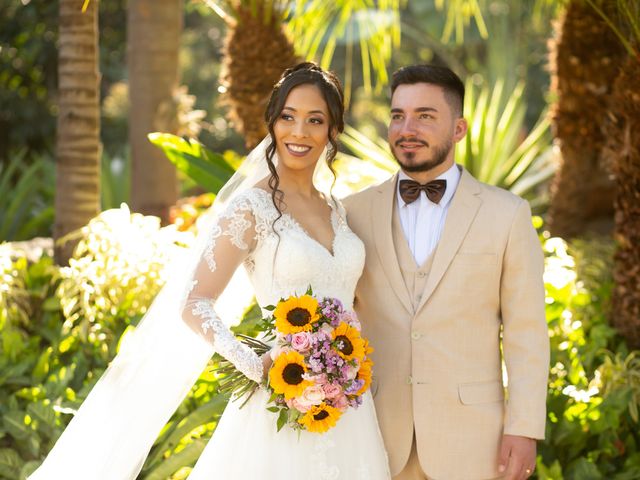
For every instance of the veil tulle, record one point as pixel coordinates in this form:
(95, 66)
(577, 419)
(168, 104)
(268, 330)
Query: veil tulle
(158, 363)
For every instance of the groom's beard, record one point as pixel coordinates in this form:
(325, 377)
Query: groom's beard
(438, 156)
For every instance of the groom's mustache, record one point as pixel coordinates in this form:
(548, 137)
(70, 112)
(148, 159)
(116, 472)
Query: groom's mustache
(410, 139)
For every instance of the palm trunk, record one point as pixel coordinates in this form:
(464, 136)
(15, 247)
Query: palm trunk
(584, 63)
(78, 126)
(623, 154)
(256, 52)
(153, 29)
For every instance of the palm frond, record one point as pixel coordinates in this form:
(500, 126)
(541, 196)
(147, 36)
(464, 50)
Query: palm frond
(318, 28)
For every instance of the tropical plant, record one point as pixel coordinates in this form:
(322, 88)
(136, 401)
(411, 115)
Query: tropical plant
(584, 60)
(256, 52)
(594, 385)
(100, 290)
(622, 155)
(494, 150)
(26, 195)
(78, 128)
(208, 169)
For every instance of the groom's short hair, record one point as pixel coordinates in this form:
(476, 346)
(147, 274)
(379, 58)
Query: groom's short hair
(436, 75)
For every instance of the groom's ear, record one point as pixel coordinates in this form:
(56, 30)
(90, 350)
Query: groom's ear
(460, 129)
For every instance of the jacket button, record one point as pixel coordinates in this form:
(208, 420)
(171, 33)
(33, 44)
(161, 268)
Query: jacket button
(409, 380)
(415, 335)
(421, 274)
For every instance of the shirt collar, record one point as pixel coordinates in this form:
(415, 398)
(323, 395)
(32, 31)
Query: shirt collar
(452, 176)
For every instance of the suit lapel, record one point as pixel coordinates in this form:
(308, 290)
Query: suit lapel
(462, 211)
(381, 212)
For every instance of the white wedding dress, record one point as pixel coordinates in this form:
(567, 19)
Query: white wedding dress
(246, 444)
(114, 429)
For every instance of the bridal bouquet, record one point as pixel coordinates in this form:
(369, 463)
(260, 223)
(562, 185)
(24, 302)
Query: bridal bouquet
(321, 365)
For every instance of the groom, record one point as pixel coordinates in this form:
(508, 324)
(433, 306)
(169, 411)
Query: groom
(452, 287)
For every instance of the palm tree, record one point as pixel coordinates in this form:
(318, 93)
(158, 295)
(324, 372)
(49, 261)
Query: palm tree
(622, 154)
(256, 51)
(153, 28)
(585, 58)
(77, 197)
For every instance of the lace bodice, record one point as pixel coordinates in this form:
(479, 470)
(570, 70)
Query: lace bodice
(288, 261)
(281, 259)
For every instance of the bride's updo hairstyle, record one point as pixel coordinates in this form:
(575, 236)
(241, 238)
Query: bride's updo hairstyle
(305, 73)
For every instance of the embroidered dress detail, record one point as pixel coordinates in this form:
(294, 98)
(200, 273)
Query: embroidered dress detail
(225, 343)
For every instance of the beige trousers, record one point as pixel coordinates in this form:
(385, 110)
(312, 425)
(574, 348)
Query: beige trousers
(412, 470)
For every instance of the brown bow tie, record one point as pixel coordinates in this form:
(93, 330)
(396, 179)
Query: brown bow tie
(410, 190)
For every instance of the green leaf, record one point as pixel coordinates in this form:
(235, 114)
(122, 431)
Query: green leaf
(208, 169)
(183, 458)
(207, 413)
(45, 416)
(14, 422)
(10, 463)
(584, 470)
(28, 468)
(42, 366)
(282, 419)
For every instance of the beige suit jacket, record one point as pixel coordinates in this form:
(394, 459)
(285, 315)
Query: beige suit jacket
(439, 370)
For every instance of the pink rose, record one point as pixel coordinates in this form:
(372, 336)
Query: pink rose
(313, 395)
(350, 318)
(301, 342)
(326, 329)
(318, 379)
(276, 351)
(341, 402)
(351, 372)
(332, 391)
(294, 403)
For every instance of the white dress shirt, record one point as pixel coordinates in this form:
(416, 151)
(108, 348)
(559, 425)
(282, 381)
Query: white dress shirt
(423, 221)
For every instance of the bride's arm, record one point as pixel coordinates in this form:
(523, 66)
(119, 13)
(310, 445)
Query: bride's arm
(229, 243)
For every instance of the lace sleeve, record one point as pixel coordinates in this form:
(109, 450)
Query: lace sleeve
(231, 239)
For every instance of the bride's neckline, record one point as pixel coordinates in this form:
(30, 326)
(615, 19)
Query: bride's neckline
(330, 250)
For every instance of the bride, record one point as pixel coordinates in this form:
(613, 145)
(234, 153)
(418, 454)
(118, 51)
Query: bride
(271, 219)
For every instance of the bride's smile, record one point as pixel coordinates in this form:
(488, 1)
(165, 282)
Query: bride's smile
(301, 131)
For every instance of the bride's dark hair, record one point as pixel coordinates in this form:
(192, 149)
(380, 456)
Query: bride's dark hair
(305, 73)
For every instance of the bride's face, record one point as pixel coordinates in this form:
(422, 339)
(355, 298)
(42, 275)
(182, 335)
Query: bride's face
(302, 128)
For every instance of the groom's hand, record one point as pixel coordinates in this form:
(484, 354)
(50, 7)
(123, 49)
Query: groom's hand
(517, 457)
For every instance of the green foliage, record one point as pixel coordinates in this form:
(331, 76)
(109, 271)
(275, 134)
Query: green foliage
(28, 66)
(208, 169)
(61, 327)
(318, 28)
(26, 197)
(116, 271)
(494, 150)
(594, 386)
(115, 181)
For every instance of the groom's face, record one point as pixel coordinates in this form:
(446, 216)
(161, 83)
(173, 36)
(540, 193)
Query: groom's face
(423, 128)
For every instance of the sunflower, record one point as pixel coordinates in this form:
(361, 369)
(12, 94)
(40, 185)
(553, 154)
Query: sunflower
(320, 418)
(368, 349)
(348, 342)
(285, 376)
(296, 314)
(364, 374)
